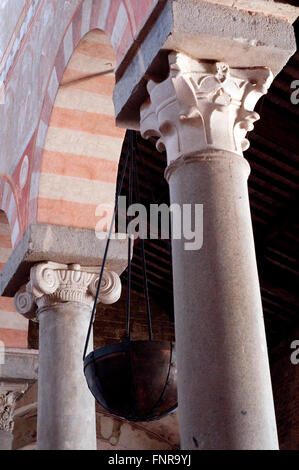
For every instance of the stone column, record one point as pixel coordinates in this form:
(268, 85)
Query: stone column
(201, 114)
(64, 295)
(9, 393)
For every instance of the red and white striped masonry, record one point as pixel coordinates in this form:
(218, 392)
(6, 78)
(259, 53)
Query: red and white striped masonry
(120, 20)
(70, 162)
(13, 327)
(82, 146)
(9, 207)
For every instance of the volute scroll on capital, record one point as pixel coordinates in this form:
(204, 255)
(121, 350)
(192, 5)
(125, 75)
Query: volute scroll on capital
(203, 105)
(54, 282)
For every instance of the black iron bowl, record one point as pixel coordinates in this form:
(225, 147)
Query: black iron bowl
(134, 380)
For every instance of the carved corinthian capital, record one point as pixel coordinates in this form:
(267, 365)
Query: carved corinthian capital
(53, 282)
(203, 105)
(9, 393)
(7, 406)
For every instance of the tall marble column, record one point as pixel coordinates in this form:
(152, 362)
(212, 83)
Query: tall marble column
(201, 113)
(63, 296)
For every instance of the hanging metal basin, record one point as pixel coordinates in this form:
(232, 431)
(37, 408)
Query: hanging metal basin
(135, 380)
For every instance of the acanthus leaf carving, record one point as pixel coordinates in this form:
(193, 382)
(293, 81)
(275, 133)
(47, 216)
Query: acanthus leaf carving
(203, 105)
(7, 406)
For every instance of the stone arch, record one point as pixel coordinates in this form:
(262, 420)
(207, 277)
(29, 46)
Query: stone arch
(65, 191)
(33, 69)
(118, 434)
(112, 433)
(79, 158)
(13, 327)
(5, 239)
(9, 207)
(118, 20)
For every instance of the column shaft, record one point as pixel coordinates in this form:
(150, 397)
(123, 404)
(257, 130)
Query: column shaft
(224, 386)
(64, 295)
(201, 113)
(66, 408)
